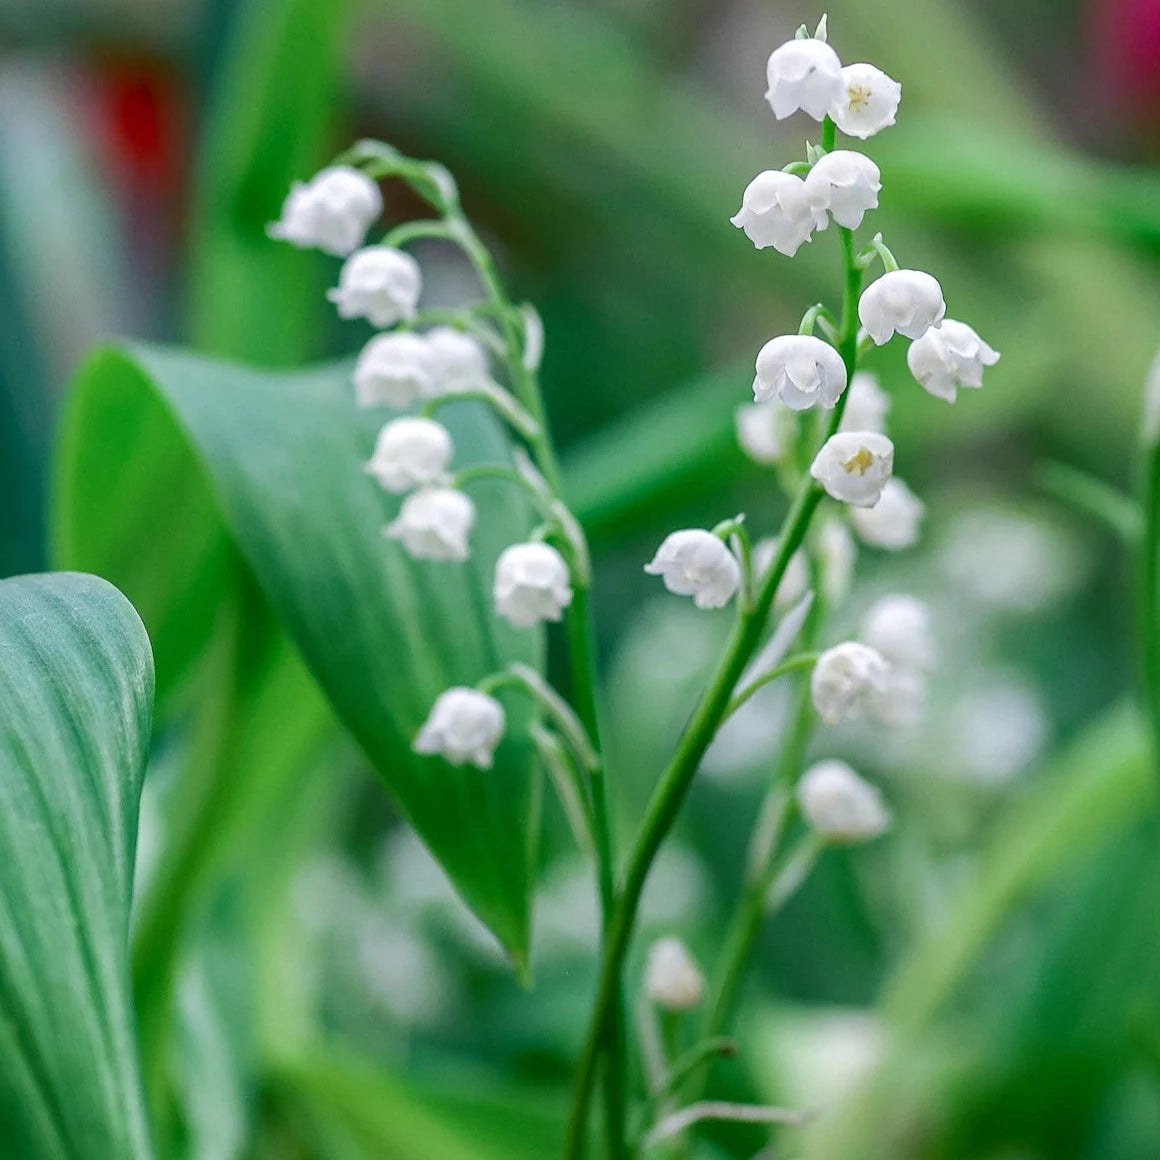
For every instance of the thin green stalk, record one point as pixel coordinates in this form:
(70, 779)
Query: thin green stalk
(1147, 579)
(795, 664)
(686, 1066)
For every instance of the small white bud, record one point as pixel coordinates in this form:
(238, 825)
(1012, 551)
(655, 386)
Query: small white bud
(379, 284)
(775, 211)
(948, 357)
(853, 466)
(434, 524)
(899, 628)
(800, 370)
(672, 980)
(393, 369)
(696, 563)
(332, 211)
(411, 452)
(839, 805)
(766, 431)
(867, 404)
(532, 583)
(845, 184)
(907, 302)
(845, 680)
(894, 522)
(456, 359)
(869, 101)
(803, 74)
(464, 726)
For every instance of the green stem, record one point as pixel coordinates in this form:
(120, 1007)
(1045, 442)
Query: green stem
(805, 660)
(503, 404)
(1092, 497)
(829, 134)
(686, 1066)
(1147, 593)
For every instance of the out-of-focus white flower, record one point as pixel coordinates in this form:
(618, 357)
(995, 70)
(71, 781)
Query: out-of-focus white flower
(845, 184)
(900, 701)
(853, 466)
(672, 980)
(378, 283)
(332, 211)
(393, 369)
(411, 452)
(894, 521)
(867, 404)
(839, 805)
(795, 580)
(776, 211)
(845, 679)
(464, 726)
(906, 302)
(949, 356)
(803, 74)
(401, 971)
(869, 101)
(800, 370)
(434, 524)
(766, 431)
(996, 730)
(836, 554)
(697, 563)
(898, 627)
(531, 584)
(456, 359)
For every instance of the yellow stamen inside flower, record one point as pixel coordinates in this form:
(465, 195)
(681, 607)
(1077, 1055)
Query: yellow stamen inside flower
(859, 463)
(859, 96)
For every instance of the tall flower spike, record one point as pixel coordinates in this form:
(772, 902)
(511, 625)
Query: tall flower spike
(894, 522)
(907, 302)
(803, 74)
(845, 680)
(434, 523)
(869, 101)
(532, 584)
(853, 466)
(672, 980)
(456, 359)
(411, 452)
(840, 806)
(775, 211)
(696, 563)
(949, 357)
(332, 211)
(846, 184)
(800, 370)
(380, 284)
(393, 369)
(464, 727)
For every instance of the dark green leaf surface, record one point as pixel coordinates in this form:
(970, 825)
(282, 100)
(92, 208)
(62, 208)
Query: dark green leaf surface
(76, 698)
(195, 447)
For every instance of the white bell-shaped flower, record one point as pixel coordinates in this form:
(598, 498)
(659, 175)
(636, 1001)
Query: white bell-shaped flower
(846, 185)
(672, 980)
(839, 805)
(332, 211)
(901, 701)
(411, 452)
(894, 522)
(906, 302)
(464, 727)
(775, 211)
(949, 357)
(845, 680)
(803, 74)
(766, 431)
(869, 101)
(532, 583)
(898, 627)
(456, 359)
(836, 553)
(867, 404)
(434, 524)
(697, 563)
(393, 370)
(801, 371)
(380, 284)
(853, 466)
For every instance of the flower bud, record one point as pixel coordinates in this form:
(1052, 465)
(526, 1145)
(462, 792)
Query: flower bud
(869, 101)
(393, 369)
(766, 431)
(846, 184)
(332, 211)
(456, 359)
(844, 681)
(672, 980)
(775, 211)
(839, 805)
(697, 563)
(411, 453)
(434, 524)
(867, 404)
(949, 357)
(379, 284)
(906, 302)
(854, 466)
(800, 370)
(464, 726)
(803, 74)
(898, 627)
(532, 583)
(894, 522)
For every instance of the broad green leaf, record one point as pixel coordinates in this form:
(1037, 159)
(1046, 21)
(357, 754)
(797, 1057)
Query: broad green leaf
(76, 699)
(167, 457)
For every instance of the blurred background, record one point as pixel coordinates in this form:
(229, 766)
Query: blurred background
(1005, 934)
